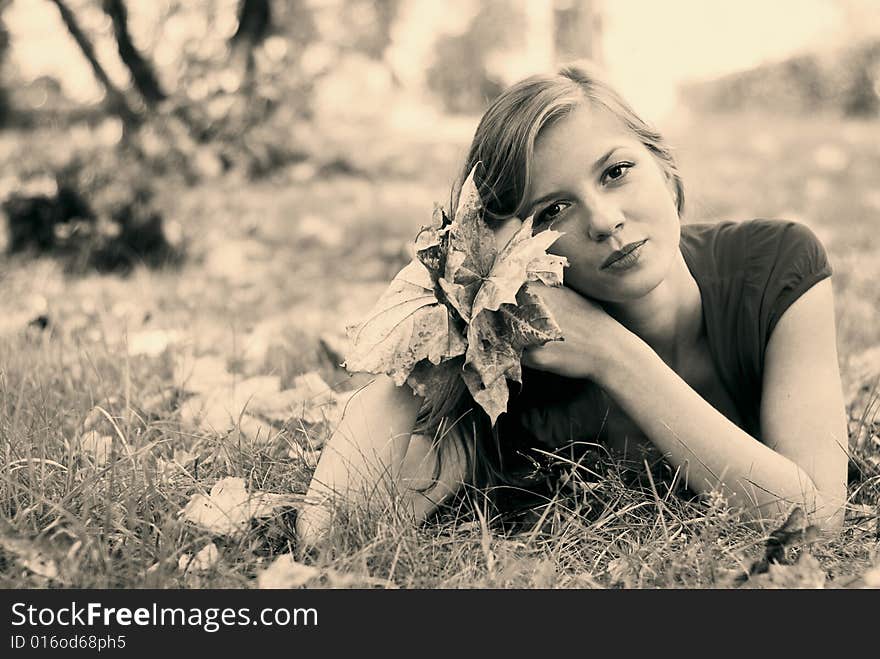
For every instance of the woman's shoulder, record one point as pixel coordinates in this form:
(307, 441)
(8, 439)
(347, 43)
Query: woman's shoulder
(753, 246)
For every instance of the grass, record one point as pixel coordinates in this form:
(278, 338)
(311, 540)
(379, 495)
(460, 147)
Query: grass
(289, 262)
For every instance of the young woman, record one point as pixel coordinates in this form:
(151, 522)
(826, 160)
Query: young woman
(713, 344)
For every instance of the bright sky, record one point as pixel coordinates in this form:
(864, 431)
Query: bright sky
(650, 45)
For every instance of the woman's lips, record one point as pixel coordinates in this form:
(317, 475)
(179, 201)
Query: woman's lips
(622, 255)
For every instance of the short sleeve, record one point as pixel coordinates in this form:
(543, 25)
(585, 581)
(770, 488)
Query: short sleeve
(800, 262)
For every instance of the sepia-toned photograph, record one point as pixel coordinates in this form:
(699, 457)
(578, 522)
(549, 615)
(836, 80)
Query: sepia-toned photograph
(405, 294)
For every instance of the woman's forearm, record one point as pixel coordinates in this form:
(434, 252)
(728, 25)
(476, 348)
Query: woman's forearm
(362, 459)
(708, 448)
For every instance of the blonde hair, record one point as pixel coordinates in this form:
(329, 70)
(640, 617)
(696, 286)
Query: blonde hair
(504, 142)
(503, 145)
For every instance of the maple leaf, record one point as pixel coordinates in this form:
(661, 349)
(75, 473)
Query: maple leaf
(523, 257)
(547, 269)
(460, 277)
(427, 378)
(407, 324)
(432, 244)
(496, 340)
(471, 254)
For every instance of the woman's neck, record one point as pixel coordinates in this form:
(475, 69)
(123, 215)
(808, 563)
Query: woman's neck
(669, 318)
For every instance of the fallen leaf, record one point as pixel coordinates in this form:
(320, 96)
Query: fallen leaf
(221, 408)
(310, 400)
(30, 556)
(157, 402)
(256, 429)
(97, 446)
(872, 578)
(286, 572)
(184, 457)
(93, 418)
(200, 374)
(228, 509)
(151, 343)
(793, 533)
(205, 559)
(805, 573)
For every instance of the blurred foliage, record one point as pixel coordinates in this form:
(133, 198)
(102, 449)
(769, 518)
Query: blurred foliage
(4, 49)
(846, 81)
(460, 73)
(216, 86)
(96, 210)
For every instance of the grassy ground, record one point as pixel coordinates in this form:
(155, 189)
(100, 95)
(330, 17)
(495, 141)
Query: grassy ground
(277, 266)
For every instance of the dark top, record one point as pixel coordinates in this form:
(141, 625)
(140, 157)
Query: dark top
(748, 273)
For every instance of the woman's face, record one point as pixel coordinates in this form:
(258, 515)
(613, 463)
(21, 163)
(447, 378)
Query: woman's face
(595, 181)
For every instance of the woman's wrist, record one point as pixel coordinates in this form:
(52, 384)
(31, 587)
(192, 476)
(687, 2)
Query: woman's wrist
(619, 357)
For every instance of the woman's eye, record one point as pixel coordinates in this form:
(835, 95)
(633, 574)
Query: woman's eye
(551, 212)
(617, 171)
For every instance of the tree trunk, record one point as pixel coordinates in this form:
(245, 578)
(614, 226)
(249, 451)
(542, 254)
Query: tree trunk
(116, 101)
(142, 74)
(254, 22)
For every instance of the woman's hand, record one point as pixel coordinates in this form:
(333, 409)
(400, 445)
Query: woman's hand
(589, 331)
(590, 335)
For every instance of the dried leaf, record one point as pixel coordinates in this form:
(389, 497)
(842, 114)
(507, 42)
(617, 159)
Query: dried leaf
(201, 374)
(228, 509)
(432, 244)
(496, 340)
(220, 408)
(305, 401)
(427, 378)
(286, 572)
(512, 267)
(793, 533)
(805, 573)
(472, 251)
(459, 274)
(872, 578)
(96, 446)
(257, 430)
(151, 343)
(406, 325)
(205, 559)
(29, 555)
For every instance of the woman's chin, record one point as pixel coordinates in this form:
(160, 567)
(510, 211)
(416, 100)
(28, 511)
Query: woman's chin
(616, 289)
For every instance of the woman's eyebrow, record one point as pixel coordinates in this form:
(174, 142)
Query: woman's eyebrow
(597, 165)
(604, 159)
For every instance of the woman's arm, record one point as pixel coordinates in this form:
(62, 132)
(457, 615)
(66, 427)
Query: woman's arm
(372, 455)
(804, 459)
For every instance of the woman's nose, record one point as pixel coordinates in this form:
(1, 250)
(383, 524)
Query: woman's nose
(604, 222)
